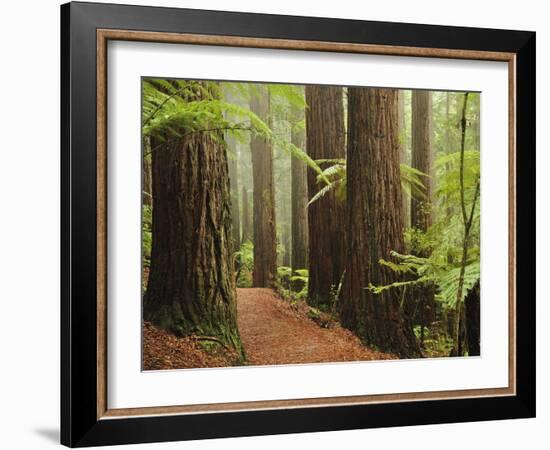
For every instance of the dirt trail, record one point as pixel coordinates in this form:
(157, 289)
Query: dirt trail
(273, 332)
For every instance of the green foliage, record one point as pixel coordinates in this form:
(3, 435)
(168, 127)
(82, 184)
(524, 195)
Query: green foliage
(284, 96)
(194, 107)
(411, 181)
(428, 271)
(334, 177)
(283, 274)
(293, 96)
(448, 283)
(285, 279)
(437, 342)
(314, 313)
(282, 283)
(448, 180)
(221, 109)
(445, 238)
(245, 264)
(301, 275)
(181, 106)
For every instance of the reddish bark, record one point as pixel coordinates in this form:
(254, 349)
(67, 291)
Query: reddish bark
(325, 140)
(265, 237)
(191, 288)
(374, 223)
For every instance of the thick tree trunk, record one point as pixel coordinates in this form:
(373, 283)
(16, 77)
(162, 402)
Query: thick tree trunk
(374, 223)
(191, 287)
(246, 219)
(325, 140)
(265, 238)
(472, 320)
(403, 152)
(234, 189)
(299, 193)
(421, 208)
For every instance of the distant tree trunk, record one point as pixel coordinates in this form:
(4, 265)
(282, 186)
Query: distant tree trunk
(472, 320)
(403, 152)
(147, 177)
(247, 222)
(286, 245)
(325, 140)
(448, 141)
(234, 189)
(421, 208)
(299, 194)
(265, 238)
(422, 130)
(374, 223)
(191, 288)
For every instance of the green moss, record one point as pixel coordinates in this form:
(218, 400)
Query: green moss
(172, 318)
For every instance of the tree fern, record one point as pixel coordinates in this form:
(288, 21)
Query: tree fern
(334, 177)
(445, 267)
(167, 110)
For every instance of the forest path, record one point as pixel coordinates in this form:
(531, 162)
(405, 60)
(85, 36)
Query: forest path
(274, 332)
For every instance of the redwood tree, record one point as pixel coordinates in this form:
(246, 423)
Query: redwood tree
(233, 156)
(421, 156)
(234, 192)
(421, 206)
(285, 242)
(325, 140)
(299, 193)
(403, 150)
(374, 223)
(191, 288)
(265, 237)
(246, 218)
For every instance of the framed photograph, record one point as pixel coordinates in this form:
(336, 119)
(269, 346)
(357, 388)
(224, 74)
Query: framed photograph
(276, 224)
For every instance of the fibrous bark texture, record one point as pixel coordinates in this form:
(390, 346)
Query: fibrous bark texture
(423, 297)
(374, 223)
(265, 237)
(327, 237)
(422, 131)
(299, 194)
(403, 151)
(246, 220)
(234, 190)
(191, 287)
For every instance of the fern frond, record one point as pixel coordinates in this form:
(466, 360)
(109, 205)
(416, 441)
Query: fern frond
(322, 192)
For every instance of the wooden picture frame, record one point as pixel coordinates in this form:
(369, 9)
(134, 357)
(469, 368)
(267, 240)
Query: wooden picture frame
(85, 417)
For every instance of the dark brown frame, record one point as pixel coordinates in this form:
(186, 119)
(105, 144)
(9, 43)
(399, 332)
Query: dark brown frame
(86, 419)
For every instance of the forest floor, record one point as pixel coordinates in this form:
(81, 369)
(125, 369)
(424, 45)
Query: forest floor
(162, 350)
(273, 331)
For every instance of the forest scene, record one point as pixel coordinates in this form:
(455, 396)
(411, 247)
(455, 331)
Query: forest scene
(292, 224)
